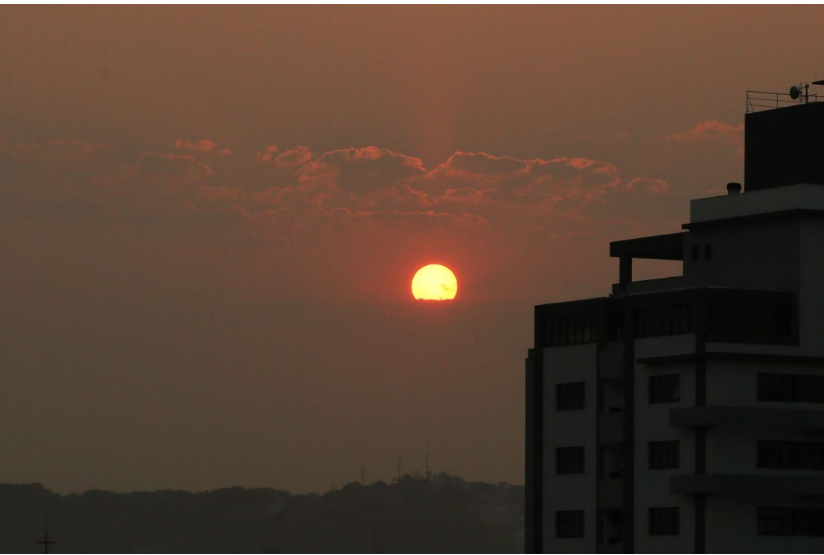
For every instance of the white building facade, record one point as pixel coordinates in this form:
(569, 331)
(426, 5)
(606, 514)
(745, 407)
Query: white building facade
(686, 414)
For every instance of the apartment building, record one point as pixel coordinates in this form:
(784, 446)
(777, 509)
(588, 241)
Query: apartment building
(686, 414)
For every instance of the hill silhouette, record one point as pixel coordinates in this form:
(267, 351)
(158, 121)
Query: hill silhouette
(412, 515)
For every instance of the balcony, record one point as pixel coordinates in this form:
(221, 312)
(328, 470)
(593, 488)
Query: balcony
(748, 418)
(748, 485)
(611, 428)
(611, 493)
(656, 247)
(611, 363)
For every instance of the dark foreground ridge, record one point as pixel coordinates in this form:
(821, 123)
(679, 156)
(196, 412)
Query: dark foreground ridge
(412, 515)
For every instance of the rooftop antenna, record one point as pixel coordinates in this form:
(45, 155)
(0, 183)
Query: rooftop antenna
(796, 92)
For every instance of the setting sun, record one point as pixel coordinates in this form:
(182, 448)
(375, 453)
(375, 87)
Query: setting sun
(434, 283)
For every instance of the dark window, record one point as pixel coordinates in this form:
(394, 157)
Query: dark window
(570, 330)
(812, 456)
(776, 387)
(664, 320)
(775, 521)
(664, 454)
(569, 524)
(665, 389)
(807, 455)
(808, 522)
(569, 396)
(695, 252)
(708, 252)
(663, 521)
(775, 454)
(786, 521)
(804, 388)
(811, 389)
(746, 319)
(569, 460)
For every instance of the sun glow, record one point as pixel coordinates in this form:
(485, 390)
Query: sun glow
(434, 283)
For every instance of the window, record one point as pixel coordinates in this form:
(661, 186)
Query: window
(789, 388)
(665, 389)
(708, 252)
(664, 454)
(810, 455)
(808, 522)
(807, 455)
(569, 396)
(570, 330)
(695, 252)
(664, 521)
(775, 521)
(664, 320)
(776, 387)
(569, 460)
(775, 454)
(750, 319)
(569, 524)
(787, 521)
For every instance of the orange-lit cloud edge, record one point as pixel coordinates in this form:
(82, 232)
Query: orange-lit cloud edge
(206, 178)
(481, 211)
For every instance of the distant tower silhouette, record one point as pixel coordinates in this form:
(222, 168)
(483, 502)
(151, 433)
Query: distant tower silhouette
(46, 542)
(428, 472)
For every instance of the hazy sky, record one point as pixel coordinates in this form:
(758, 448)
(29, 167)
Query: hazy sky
(210, 218)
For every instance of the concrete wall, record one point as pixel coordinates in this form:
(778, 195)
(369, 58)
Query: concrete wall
(570, 428)
(757, 254)
(731, 527)
(732, 383)
(812, 286)
(735, 384)
(652, 424)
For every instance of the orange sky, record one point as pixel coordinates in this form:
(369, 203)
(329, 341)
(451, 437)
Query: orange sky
(211, 216)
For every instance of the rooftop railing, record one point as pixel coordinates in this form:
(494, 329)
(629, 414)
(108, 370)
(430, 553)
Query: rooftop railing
(759, 101)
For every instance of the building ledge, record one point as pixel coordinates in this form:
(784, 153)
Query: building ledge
(649, 285)
(656, 247)
(748, 418)
(789, 200)
(748, 485)
(728, 355)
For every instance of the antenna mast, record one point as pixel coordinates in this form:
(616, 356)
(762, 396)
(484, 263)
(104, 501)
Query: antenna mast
(46, 542)
(428, 473)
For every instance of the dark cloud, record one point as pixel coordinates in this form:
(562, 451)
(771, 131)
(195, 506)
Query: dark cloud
(362, 170)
